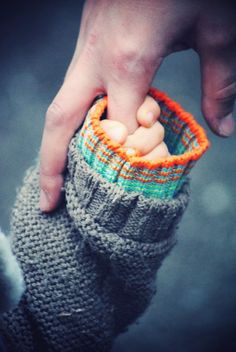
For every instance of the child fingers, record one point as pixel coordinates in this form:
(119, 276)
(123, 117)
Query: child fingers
(144, 140)
(148, 113)
(161, 151)
(115, 130)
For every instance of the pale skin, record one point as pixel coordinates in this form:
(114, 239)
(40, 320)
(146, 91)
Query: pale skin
(120, 47)
(147, 141)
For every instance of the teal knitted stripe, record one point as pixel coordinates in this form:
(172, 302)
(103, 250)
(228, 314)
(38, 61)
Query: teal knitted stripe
(151, 189)
(163, 181)
(116, 161)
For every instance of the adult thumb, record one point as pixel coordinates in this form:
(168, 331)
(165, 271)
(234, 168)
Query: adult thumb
(219, 90)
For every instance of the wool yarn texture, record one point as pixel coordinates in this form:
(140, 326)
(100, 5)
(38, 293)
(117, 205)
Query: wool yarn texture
(90, 266)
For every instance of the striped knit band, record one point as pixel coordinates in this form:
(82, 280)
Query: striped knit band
(160, 178)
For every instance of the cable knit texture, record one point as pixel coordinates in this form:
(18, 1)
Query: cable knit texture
(89, 267)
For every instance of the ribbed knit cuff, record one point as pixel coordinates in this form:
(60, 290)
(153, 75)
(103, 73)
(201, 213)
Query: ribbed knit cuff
(160, 178)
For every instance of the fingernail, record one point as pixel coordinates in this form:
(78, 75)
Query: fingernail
(130, 151)
(226, 127)
(150, 119)
(44, 201)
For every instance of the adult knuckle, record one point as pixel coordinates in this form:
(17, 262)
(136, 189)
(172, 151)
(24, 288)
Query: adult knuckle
(44, 184)
(55, 117)
(50, 183)
(129, 59)
(219, 37)
(45, 170)
(226, 93)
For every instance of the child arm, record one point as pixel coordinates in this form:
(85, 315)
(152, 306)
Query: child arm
(90, 267)
(126, 210)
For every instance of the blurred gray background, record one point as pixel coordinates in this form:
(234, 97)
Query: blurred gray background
(195, 306)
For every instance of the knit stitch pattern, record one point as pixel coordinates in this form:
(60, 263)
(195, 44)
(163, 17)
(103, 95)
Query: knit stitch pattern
(89, 267)
(161, 178)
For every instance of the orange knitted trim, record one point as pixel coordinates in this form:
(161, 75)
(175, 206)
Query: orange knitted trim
(125, 168)
(142, 173)
(170, 161)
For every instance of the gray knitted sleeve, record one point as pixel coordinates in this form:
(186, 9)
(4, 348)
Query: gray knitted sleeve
(89, 267)
(132, 234)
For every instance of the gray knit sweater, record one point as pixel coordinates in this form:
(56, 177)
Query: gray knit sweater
(90, 266)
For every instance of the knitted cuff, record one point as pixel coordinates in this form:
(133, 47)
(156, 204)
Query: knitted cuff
(160, 178)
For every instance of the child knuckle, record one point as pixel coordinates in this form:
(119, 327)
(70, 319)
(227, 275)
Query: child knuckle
(160, 130)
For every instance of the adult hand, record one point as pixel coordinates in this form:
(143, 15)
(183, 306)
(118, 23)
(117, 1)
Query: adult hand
(120, 47)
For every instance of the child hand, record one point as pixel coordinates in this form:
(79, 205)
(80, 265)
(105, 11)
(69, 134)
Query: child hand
(148, 139)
